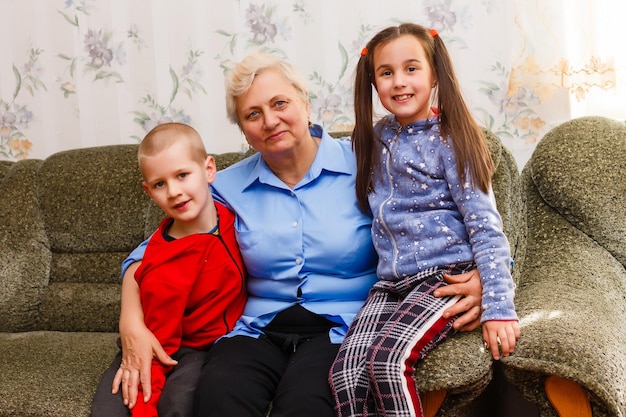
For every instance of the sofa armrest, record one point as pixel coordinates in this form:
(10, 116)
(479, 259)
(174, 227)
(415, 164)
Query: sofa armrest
(25, 255)
(571, 294)
(572, 307)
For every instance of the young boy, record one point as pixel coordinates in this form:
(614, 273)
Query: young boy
(191, 279)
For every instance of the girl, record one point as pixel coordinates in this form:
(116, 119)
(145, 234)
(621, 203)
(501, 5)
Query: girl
(425, 173)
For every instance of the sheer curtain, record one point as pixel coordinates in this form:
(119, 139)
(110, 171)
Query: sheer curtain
(79, 73)
(598, 77)
(574, 54)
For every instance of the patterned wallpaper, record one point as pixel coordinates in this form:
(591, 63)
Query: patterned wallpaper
(79, 73)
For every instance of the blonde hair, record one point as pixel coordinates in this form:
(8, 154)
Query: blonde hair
(165, 135)
(240, 78)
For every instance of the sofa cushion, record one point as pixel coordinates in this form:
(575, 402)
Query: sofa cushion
(94, 216)
(52, 374)
(4, 167)
(87, 206)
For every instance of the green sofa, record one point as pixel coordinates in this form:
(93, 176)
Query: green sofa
(571, 294)
(66, 224)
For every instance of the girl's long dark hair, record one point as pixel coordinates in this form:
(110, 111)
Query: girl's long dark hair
(474, 161)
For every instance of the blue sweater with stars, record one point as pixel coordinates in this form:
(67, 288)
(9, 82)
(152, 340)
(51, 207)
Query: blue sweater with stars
(423, 217)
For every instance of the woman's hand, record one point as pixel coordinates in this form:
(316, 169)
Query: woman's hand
(138, 349)
(468, 285)
(139, 345)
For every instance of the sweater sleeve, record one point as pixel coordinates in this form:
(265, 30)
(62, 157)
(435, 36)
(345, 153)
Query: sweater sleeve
(490, 245)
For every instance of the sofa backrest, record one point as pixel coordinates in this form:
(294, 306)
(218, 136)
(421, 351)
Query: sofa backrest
(79, 213)
(94, 212)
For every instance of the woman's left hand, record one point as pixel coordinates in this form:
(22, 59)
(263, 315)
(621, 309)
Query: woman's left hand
(469, 286)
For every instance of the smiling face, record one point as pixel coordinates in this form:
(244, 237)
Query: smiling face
(404, 78)
(272, 114)
(178, 182)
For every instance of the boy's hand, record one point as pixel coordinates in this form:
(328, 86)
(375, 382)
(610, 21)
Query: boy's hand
(500, 336)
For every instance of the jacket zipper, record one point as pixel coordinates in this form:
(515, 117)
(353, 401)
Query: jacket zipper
(389, 197)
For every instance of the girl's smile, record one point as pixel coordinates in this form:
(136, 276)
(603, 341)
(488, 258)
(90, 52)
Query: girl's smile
(404, 79)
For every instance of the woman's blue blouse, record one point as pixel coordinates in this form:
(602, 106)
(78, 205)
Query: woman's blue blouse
(310, 246)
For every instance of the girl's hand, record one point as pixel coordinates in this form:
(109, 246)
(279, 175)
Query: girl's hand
(500, 336)
(468, 285)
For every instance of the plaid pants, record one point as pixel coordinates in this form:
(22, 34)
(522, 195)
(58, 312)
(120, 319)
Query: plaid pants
(399, 324)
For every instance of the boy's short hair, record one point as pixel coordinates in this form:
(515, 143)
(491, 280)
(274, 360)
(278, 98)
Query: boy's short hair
(164, 135)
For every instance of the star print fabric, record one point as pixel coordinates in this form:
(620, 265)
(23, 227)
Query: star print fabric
(423, 217)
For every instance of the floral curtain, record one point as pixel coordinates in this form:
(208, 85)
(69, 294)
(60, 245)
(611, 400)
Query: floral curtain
(80, 73)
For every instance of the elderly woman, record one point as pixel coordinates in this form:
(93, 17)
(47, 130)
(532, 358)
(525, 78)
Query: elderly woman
(308, 253)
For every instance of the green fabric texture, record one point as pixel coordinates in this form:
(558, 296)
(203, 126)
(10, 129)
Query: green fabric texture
(52, 373)
(68, 221)
(4, 167)
(571, 294)
(25, 256)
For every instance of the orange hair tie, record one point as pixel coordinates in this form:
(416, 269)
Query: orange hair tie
(433, 33)
(364, 51)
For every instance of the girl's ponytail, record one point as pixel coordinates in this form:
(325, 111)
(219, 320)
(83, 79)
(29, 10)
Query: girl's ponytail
(456, 121)
(363, 135)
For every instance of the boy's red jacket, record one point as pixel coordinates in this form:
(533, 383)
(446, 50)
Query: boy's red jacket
(192, 289)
